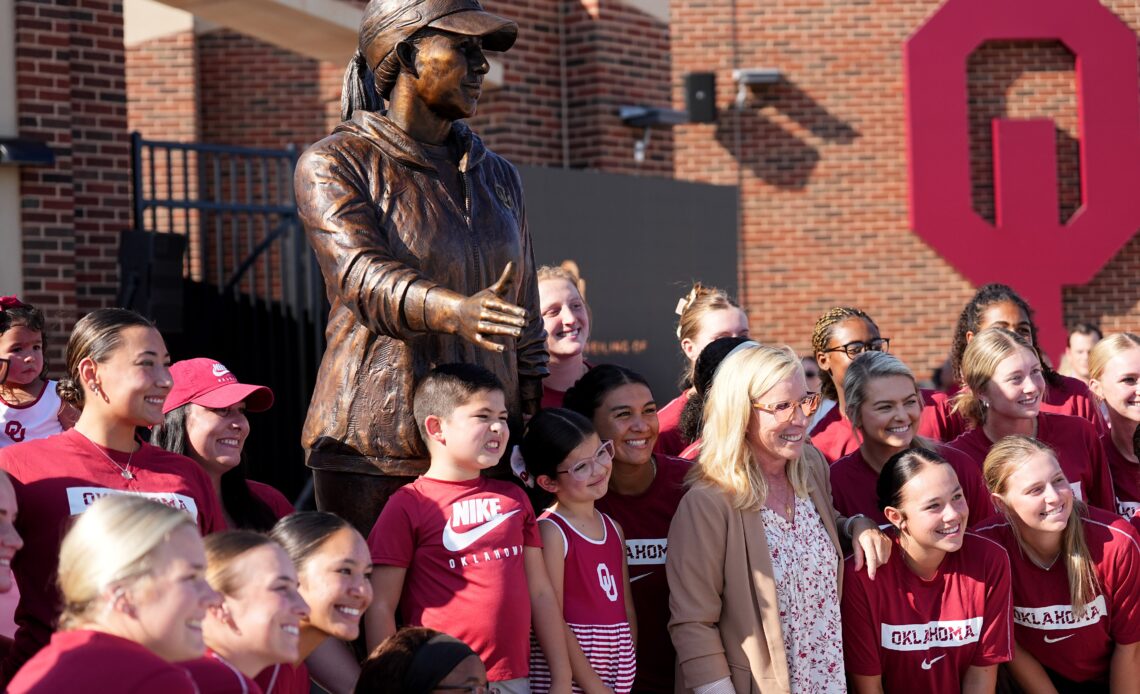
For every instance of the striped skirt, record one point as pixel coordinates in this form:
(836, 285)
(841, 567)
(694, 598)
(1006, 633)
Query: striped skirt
(608, 647)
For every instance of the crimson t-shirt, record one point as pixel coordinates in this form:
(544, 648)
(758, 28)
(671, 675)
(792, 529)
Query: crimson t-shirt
(284, 678)
(272, 498)
(1125, 478)
(1078, 649)
(645, 519)
(924, 635)
(853, 486)
(1078, 451)
(215, 675)
(669, 438)
(1071, 396)
(463, 544)
(56, 479)
(93, 661)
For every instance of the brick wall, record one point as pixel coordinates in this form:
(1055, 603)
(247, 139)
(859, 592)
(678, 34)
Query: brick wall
(71, 94)
(822, 166)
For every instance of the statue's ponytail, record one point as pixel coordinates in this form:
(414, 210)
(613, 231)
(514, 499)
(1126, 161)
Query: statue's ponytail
(359, 91)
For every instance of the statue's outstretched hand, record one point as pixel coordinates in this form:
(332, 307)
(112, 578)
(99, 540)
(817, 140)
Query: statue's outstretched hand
(486, 314)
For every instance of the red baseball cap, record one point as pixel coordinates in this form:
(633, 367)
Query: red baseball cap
(208, 383)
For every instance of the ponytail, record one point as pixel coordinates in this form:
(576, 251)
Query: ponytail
(358, 93)
(1083, 584)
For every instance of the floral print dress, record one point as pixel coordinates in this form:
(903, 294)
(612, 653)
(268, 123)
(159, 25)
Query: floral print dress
(805, 567)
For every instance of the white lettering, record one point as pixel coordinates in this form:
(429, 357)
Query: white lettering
(79, 499)
(1058, 617)
(921, 637)
(607, 582)
(1126, 508)
(471, 511)
(652, 551)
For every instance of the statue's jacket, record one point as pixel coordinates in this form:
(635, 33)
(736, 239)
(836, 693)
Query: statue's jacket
(385, 231)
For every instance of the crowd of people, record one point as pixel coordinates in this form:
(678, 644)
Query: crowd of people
(754, 534)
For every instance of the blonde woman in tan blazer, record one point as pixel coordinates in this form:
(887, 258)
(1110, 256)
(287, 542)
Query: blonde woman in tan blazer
(755, 561)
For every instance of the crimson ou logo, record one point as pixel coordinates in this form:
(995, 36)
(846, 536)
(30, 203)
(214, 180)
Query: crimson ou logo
(1025, 166)
(15, 431)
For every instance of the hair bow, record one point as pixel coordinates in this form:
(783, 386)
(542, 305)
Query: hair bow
(518, 466)
(7, 302)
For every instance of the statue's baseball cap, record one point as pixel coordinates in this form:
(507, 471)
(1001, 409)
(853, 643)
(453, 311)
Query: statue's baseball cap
(388, 22)
(209, 383)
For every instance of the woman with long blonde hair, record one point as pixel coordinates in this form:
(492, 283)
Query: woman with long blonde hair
(1004, 389)
(759, 503)
(1076, 576)
(1114, 372)
(132, 575)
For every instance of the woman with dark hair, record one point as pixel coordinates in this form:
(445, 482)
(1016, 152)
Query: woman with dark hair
(998, 305)
(333, 569)
(415, 660)
(840, 335)
(118, 376)
(693, 414)
(644, 491)
(944, 593)
(205, 419)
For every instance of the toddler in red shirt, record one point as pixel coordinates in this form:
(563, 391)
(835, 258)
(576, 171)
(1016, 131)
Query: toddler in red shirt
(454, 550)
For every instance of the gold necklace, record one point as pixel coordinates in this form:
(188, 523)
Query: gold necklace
(124, 470)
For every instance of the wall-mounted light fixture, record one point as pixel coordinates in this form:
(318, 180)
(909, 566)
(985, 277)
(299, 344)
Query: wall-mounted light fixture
(22, 152)
(648, 117)
(749, 77)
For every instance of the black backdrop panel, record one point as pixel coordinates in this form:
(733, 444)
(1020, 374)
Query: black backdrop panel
(639, 243)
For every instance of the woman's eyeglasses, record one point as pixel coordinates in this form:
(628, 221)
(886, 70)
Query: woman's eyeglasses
(854, 349)
(784, 411)
(583, 469)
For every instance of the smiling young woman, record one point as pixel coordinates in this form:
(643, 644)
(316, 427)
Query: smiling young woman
(333, 569)
(1004, 388)
(132, 577)
(644, 490)
(204, 418)
(257, 622)
(944, 591)
(118, 375)
(1076, 576)
(1114, 370)
(885, 406)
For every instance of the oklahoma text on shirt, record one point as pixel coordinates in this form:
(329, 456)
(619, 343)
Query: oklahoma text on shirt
(484, 512)
(79, 499)
(920, 637)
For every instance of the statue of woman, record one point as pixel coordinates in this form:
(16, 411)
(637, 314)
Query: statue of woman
(421, 236)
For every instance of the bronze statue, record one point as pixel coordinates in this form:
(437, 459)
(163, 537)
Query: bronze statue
(421, 236)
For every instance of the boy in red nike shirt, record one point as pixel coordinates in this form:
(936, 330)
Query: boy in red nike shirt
(454, 550)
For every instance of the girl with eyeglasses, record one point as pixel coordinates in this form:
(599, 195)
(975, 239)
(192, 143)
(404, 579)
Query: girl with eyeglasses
(840, 335)
(644, 490)
(998, 306)
(584, 551)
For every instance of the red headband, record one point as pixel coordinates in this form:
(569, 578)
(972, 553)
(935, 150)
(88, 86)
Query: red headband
(7, 302)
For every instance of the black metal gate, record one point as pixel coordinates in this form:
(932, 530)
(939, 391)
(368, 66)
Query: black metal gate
(218, 257)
